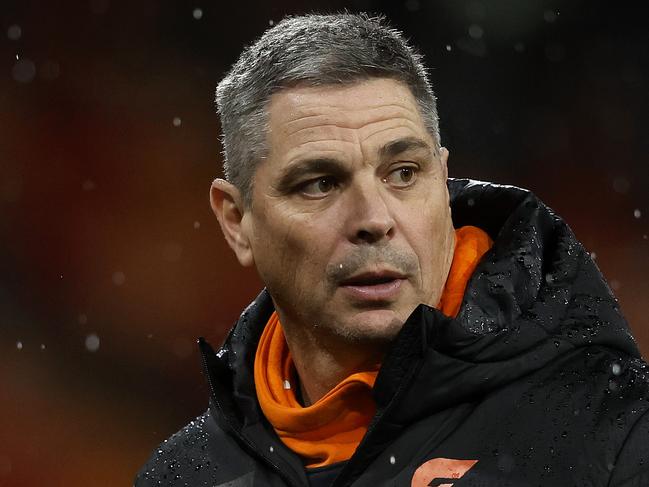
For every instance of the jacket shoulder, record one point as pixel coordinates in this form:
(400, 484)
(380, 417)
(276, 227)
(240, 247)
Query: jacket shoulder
(199, 454)
(185, 449)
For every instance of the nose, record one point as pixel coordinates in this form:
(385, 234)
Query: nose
(370, 216)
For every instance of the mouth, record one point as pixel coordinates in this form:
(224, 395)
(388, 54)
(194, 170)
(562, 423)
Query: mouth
(374, 286)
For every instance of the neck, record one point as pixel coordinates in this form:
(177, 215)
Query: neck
(322, 362)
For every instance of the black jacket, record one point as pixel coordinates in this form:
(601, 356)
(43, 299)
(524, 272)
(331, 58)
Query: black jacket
(537, 381)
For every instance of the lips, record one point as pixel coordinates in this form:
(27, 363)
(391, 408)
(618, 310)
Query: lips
(374, 286)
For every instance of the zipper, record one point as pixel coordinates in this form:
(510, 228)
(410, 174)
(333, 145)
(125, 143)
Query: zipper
(342, 480)
(206, 349)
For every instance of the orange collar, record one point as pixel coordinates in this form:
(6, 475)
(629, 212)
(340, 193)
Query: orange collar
(471, 243)
(329, 430)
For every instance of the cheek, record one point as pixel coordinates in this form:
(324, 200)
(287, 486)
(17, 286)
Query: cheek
(428, 233)
(290, 252)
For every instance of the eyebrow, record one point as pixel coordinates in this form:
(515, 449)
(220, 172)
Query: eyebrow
(399, 146)
(324, 165)
(334, 167)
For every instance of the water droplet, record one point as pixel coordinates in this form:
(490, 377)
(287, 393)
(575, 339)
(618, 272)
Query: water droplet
(593, 255)
(19, 345)
(271, 22)
(475, 31)
(176, 122)
(616, 368)
(393, 460)
(92, 342)
(621, 185)
(287, 384)
(42, 346)
(448, 47)
(637, 213)
(197, 225)
(88, 185)
(14, 32)
(271, 449)
(197, 13)
(550, 16)
(119, 278)
(23, 71)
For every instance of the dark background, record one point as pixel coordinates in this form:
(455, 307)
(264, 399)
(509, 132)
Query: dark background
(111, 262)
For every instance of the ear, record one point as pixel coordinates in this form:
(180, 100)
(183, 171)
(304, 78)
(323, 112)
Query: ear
(227, 205)
(444, 160)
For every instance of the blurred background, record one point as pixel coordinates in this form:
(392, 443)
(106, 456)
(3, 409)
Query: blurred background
(111, 263)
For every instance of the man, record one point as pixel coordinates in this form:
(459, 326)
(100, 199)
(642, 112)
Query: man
(414, 330)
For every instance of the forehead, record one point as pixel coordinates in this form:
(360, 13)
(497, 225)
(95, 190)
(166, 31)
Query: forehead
(368, 93)
(357, 112)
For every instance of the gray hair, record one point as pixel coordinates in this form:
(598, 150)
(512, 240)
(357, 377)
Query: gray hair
(310, 50)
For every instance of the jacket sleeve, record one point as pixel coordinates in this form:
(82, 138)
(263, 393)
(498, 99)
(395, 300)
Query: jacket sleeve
(632, 465)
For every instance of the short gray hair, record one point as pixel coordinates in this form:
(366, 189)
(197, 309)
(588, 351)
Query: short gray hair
(310, 50)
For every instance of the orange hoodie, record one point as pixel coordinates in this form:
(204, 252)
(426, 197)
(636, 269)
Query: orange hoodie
(330, 430)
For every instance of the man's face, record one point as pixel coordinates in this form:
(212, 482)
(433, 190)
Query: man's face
(350, 226)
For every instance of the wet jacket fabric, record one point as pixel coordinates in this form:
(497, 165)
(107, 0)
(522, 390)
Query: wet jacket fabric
(536, 382)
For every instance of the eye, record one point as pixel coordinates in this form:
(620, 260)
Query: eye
(320, 187)
(402, 177)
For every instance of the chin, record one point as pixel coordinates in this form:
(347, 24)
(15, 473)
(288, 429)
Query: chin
(369, 326)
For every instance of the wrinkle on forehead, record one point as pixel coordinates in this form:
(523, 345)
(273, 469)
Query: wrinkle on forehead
(299, 104)
(345, 115)
(346, 133)
(353, 120)
(322, 147)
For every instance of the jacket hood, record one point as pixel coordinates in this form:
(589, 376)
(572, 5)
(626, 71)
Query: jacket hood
(536, 295)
